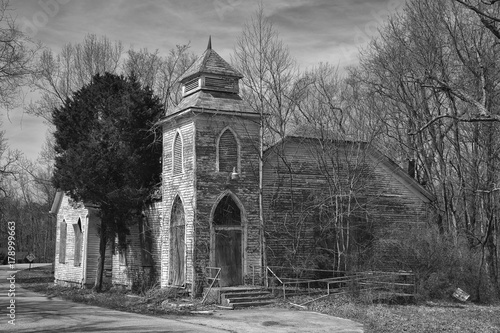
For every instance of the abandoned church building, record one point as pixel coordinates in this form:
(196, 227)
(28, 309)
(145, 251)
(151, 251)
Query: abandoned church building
(326, 204)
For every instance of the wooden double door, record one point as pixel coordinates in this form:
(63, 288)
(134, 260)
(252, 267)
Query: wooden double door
(227, 242)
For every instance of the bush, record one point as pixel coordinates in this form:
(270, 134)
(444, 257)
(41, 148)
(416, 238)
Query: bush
(442, 264)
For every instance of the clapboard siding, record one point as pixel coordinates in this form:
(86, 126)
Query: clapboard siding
(84, 274)
(181, 184)
(300, 175)
(154, 215)
(67, 273)
(126, 273)
(68, 215)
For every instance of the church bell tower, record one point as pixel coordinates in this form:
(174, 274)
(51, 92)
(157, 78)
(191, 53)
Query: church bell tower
(210, 181)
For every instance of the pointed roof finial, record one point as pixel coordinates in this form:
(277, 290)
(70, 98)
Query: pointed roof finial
(209, 46)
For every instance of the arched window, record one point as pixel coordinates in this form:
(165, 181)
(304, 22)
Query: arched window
(227, 152)
(177, 155)
(177, 243)
(62, 241)
(77, 228)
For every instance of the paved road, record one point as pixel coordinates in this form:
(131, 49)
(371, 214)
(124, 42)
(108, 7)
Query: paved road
(37, 313)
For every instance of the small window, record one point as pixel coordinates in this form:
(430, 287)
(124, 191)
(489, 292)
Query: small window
(228, 152)
(62, 242)
(177, 155)
(78, 243)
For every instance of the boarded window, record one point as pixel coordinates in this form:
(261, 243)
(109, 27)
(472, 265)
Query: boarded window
(62, 242)
(146, 242)
(177, 160)
(228, 152)
(220, 83)
(122, 250)
(177, 243)
(78, 243)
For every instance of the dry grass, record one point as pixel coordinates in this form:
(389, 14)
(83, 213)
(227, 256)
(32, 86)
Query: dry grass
(428, 317)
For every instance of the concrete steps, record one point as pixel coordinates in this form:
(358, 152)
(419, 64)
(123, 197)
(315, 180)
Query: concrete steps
(236, 299)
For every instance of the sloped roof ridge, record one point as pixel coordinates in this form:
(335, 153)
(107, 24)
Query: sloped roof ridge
(373, 151)
(212, 63)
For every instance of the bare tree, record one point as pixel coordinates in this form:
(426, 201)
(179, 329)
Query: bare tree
(8, 165)
(60, 75)
(17, 52)
(488, 12)
(430, 83)
(161, 74)
(269, 73)
(268, 78)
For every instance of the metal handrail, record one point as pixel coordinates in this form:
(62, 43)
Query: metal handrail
(212, 284)
(370, 279)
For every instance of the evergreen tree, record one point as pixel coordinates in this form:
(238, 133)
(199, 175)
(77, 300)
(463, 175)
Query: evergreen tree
(108, 152)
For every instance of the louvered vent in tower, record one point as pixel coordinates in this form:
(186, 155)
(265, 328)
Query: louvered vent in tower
(177, 160)
(191, 85)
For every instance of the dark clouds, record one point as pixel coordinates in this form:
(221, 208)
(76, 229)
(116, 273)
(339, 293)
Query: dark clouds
(315, 31)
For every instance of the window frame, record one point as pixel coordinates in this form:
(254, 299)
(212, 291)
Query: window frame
(178, 135)
(63, 236)
(238, 150)
(77, 255)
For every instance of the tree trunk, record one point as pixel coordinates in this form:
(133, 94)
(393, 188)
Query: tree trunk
(490, 258)
(103, 240)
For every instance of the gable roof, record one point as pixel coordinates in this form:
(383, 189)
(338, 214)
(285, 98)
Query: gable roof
(373, 152)
(56, 204)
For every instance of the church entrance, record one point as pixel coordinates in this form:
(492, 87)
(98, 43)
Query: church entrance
(227, 242)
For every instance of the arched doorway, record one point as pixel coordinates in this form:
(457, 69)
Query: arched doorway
(177, 244)
(227, 241)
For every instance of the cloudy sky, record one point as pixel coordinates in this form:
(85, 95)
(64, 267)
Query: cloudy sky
(315, 31)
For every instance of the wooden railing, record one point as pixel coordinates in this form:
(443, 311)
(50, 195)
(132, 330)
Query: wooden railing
(391, 283)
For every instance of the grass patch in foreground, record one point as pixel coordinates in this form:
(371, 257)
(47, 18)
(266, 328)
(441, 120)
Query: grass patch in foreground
(428, 317)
